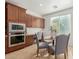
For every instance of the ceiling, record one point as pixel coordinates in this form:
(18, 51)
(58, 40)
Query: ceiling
(43, 7)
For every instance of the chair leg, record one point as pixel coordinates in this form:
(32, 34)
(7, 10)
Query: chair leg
(48, 50)
(65, 55)
(67, 52)
(37, 52)
(55, 56)
(49, 56)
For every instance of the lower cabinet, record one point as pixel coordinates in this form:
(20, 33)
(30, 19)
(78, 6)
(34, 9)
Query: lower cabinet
(28, 41)
(6, 44)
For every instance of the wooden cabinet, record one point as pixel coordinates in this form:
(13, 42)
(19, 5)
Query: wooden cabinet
(6, 43)
(29, 20)
(12, 12)
(18, 15)
(29, 40)
(15, 13)
(37, 22)
(21, 15)
(34, 22)
(42, 21)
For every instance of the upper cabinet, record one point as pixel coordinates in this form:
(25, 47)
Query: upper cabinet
(29, 20)
(12, 13)
(18, 14)
(34, 21)
(37, 22)
(42, 21)
(15, 13)
(22, 15)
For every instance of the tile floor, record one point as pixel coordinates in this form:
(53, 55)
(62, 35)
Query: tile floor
(30, 53)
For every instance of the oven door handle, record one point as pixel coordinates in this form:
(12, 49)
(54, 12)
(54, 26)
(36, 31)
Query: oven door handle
(18, 35)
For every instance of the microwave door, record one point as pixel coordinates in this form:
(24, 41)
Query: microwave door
(15, 40)
(16, 27)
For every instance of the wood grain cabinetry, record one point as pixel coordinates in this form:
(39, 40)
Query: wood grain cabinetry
(29, 20)
(15, 13)
(29, 40)
(37, 22)
(6, 44)
(42, 21)
(12, 13)
(34, 22)
(22, 15)
(18, 15)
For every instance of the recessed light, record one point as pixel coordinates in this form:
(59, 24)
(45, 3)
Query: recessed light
(41, 4)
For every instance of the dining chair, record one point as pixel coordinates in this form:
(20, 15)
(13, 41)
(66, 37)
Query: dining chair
(40, 45)
(61, 46)
(40, 36)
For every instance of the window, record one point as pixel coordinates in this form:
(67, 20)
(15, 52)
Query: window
(62, 24)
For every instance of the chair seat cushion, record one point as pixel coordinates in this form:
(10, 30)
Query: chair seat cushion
(52, 49)
(43, 45)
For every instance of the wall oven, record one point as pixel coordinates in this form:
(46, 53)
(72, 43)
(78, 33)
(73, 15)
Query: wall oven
(16, 27)
(17, 32)
(16, 39)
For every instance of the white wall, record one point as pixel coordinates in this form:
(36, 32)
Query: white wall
(59, 13)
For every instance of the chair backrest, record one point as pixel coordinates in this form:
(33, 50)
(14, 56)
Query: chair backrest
(68, 39)
(39, 35)
(37, 41)
(53, 37)
(61, 43)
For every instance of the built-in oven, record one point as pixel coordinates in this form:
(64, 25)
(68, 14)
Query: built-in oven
(17, 32)
(16, 39)
(17, 27)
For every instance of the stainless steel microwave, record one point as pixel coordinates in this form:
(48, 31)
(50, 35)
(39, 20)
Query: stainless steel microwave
(17, 27)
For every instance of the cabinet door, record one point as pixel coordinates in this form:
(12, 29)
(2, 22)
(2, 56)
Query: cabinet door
(6, 43)
(12, 13)
(29, 21)
(38, 23)
(21, 16)
(26, 20)
(34, 22)
(29, 40)
(16, 13)
(42, 21)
